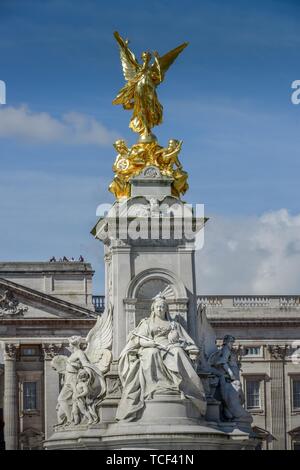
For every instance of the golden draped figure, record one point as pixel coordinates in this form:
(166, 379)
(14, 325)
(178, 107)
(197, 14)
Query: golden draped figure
(139, 94)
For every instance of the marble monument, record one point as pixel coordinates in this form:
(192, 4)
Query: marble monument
(149, 374)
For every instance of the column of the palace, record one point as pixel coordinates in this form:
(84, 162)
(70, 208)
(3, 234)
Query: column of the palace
(1, 402)
(10, 398)
(278, 396)
(51, 388)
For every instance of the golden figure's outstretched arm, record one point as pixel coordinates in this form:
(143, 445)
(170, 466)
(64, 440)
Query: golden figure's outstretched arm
(162, 64)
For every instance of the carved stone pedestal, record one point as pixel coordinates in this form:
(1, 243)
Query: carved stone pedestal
(168, 422)
(170, 410)
(213, 410)
(149, 243)
(130, 436)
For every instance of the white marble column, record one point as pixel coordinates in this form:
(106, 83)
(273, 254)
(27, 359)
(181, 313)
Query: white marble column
(10, 398)
(51, 387)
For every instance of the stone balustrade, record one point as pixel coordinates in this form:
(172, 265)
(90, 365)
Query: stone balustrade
(248, 301)
(285, 302)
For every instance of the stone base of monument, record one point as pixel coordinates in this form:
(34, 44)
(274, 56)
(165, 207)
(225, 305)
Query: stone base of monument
(130, 436)
(167, 423)
(169, 409)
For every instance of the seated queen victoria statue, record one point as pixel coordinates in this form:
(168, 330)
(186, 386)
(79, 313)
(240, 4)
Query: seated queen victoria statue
(158, 359)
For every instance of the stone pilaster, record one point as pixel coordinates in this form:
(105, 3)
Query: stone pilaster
(121, 262)
(51, 387)
(130, 315)
(10, 398)
(277, 356)
(108, 275)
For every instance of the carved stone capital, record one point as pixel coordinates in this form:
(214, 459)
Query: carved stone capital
(11, 351)
(50, 350)
(278, 351)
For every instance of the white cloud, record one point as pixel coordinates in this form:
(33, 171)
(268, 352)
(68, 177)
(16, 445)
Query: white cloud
(251, 255)
(40, 127)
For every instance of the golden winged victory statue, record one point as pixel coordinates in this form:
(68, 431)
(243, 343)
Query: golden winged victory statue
(139, 95)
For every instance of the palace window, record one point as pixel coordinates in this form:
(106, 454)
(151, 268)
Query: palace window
(253, 398)
(30, 351)
(296, 393)
(29, 396)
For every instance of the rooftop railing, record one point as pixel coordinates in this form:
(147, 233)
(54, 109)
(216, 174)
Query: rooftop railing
(99, 303)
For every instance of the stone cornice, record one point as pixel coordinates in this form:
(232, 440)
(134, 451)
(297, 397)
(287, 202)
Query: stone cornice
(45, 267)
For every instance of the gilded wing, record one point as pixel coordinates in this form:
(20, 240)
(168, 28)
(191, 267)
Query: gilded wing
(99, 340)
(162, 64)
(128, 60)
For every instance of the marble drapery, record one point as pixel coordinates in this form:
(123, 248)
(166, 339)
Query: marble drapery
(157, 360)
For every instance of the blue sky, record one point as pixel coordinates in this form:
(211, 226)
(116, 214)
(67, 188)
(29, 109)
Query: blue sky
(228, 97)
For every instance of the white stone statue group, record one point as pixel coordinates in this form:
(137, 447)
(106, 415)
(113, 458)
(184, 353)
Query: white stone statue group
(223, 363)
(159, 359)
(83, 382)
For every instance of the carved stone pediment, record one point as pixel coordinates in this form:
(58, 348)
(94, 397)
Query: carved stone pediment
(10, 305)
(19, 301)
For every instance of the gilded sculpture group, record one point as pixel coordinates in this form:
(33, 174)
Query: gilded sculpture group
(139, 95)
(131, 161)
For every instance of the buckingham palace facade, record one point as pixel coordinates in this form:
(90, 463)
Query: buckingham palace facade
(44, 303)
